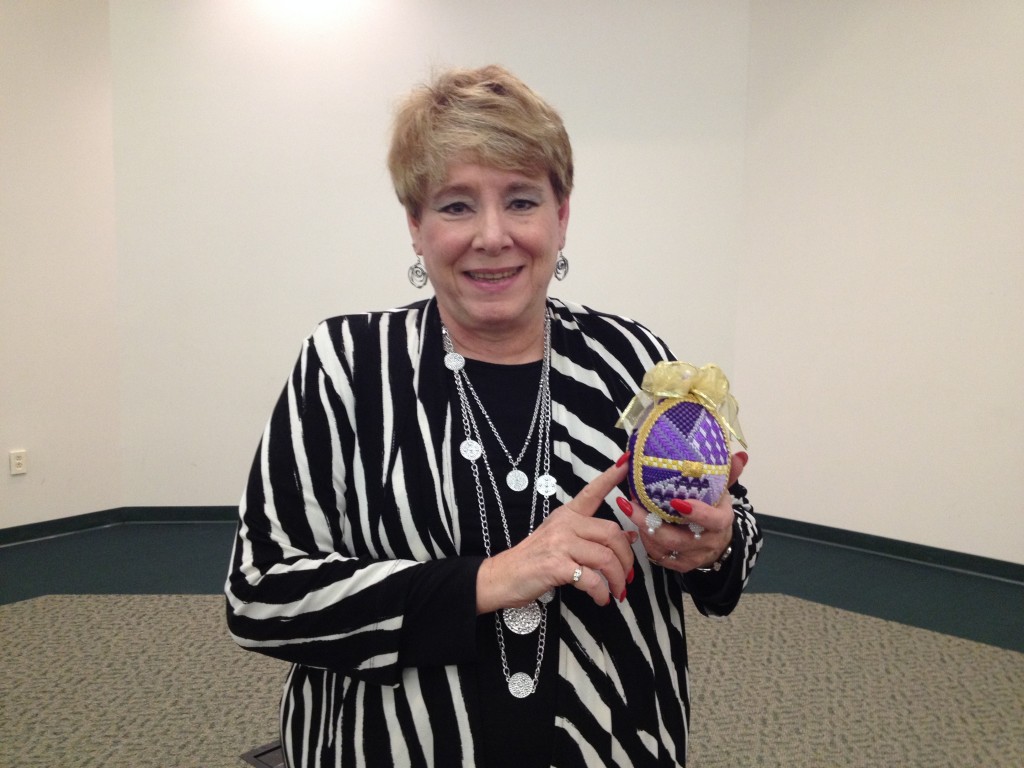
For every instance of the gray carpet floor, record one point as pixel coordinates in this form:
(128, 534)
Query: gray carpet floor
(154, 680)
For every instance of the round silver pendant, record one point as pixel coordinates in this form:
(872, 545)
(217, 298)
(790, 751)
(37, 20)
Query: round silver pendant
(547, 597)
(471, 450)
(517, 480)
(520, 685)
(546, 485)
(523, 620)
(453, 361)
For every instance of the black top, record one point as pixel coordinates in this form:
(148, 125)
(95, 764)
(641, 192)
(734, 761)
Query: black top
(510, 726)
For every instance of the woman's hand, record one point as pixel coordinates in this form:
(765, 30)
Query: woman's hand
(570, 538)
(676, 547)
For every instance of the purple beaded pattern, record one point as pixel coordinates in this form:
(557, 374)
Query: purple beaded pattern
(679, 451)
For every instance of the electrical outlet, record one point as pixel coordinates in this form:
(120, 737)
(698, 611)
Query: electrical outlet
(19, 462)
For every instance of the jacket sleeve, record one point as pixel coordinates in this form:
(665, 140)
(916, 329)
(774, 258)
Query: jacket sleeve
(311, 581)
(717, 593)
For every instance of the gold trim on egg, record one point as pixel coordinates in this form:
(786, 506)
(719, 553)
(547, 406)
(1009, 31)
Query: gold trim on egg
(686, 468)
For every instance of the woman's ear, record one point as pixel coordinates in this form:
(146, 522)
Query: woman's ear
(414, 231)
(563, 220)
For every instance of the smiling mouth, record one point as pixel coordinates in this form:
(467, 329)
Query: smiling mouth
(494, 276)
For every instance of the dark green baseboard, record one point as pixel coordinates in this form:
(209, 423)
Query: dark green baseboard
(904, 550)
(880, 545)
(117, 516)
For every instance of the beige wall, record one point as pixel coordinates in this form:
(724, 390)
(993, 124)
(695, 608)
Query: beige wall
(60, 350)
(836, 188)
(880, 333)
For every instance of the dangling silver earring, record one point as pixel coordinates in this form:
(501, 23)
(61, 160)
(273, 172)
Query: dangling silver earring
(417, 274)
(561, 266)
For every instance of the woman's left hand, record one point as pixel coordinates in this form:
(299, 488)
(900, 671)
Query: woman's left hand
(676, 547)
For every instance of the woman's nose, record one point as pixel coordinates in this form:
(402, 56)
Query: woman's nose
(492, 235)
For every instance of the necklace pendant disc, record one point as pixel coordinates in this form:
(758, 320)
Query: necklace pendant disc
(453, 361)
(546, 485)
(523, 620)
(547, 597)
(471, 449)
(517, 480)
(520, 685)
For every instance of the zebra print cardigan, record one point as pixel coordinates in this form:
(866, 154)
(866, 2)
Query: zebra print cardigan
(351, 497)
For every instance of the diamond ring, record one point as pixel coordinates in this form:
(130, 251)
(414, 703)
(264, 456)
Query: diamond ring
(577, 574)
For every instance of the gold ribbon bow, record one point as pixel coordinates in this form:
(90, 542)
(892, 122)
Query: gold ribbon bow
(677, 379)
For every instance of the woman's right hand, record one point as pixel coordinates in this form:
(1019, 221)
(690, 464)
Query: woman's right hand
(570, 538)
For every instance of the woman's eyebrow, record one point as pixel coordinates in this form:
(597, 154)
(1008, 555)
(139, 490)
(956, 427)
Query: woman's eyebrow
(515, 188)
(453, 189)
(525, 186)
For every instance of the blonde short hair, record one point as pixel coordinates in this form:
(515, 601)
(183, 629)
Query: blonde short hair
(484, 115)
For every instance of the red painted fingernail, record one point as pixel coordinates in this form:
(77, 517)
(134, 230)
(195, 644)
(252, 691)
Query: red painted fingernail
(622, 597)
(680, 506)
(629, 576)
(625, 506)
(622, 459)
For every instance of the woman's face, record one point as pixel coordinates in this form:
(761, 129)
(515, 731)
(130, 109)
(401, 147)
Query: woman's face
(489, 239)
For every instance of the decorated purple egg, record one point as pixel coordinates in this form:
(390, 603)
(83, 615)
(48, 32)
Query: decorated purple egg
(680, 424)
(679, 450)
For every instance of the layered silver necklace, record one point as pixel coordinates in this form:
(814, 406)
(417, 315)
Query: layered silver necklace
(532, 616)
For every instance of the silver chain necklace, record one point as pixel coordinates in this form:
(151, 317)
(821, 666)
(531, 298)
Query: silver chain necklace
(525, 619)
(472, 448)
(516, 479)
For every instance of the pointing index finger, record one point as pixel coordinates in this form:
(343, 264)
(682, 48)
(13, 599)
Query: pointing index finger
(589, 499)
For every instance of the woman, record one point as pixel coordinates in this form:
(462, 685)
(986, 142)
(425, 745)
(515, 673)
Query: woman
(436, 529)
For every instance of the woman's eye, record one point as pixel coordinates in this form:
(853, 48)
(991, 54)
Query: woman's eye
(454, 209)
(522, 204)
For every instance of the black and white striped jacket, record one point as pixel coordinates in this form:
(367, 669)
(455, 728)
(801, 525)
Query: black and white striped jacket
(351, 498)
